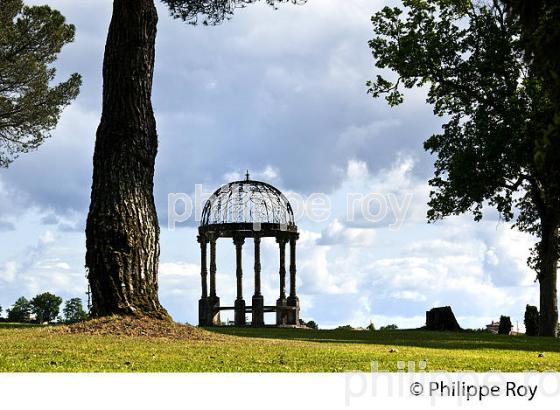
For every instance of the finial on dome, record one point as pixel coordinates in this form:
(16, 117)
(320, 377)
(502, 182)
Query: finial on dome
(247, 176)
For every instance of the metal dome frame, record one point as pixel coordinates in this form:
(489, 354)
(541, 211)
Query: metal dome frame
(246, 206)
(248, 209)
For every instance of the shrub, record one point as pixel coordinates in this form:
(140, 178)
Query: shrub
(371, 327)
(74, 311)
(531, 321)
(505, 325)
(46, 307)
(389, 327)
(478, 330)
(345, 327)
(20, 311)
(312, 325)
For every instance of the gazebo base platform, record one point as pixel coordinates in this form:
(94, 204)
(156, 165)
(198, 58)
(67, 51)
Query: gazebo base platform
(286, 316)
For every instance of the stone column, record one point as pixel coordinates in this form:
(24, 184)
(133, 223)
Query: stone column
(281, 318)
(293, 267)
(212, 267)
(203, 267)
(214, 300)
(204, 318)
(239, 302)
(258, 300)
(293, 300)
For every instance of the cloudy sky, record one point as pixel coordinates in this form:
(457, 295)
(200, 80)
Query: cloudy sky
(281, 93)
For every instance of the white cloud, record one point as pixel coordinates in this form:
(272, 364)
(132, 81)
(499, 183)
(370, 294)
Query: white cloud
(8, 271)
(179, 269)
(322, 275)
(477, 268)
(43, 267)
(338, 234)
(46, 239)
(409, 295)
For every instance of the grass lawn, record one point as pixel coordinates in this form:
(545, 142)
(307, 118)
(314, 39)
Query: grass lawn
(39, 349)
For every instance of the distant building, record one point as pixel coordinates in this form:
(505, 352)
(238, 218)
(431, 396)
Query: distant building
(493, 327)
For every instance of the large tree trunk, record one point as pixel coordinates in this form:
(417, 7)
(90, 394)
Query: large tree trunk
(548, 320)
(122, 233)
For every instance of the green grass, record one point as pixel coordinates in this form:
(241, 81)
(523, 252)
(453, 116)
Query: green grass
(34, 349)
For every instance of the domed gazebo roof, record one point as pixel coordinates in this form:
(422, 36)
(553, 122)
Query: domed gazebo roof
(246, 205)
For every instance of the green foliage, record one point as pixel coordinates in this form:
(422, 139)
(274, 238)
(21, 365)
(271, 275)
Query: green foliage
(496, 147)
(479, 330)
(473, 75)
(211, 12)
(531, 321)
(371, 327)
(505, 325)
(344, 327)
(540, 34)
(74, 311)
(312, 325)
(46, 307)
(30, 40)
(20, 311)
(389, 327)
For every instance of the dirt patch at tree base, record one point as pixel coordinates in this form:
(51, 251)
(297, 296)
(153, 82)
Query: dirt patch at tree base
(136, 327)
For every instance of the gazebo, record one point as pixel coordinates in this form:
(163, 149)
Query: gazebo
(240, 210)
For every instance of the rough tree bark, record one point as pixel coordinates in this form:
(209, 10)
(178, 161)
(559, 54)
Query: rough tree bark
(548, 318)
(122, 233)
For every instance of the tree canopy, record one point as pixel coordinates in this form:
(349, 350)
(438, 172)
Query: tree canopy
(46, 307)
(531, 320)
(74, 311)
(209, 12)
(493, 149)
(30, 40)
(20, 311)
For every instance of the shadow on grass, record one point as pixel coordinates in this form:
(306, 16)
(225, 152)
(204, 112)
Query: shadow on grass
(414, 338)
(9, 325)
